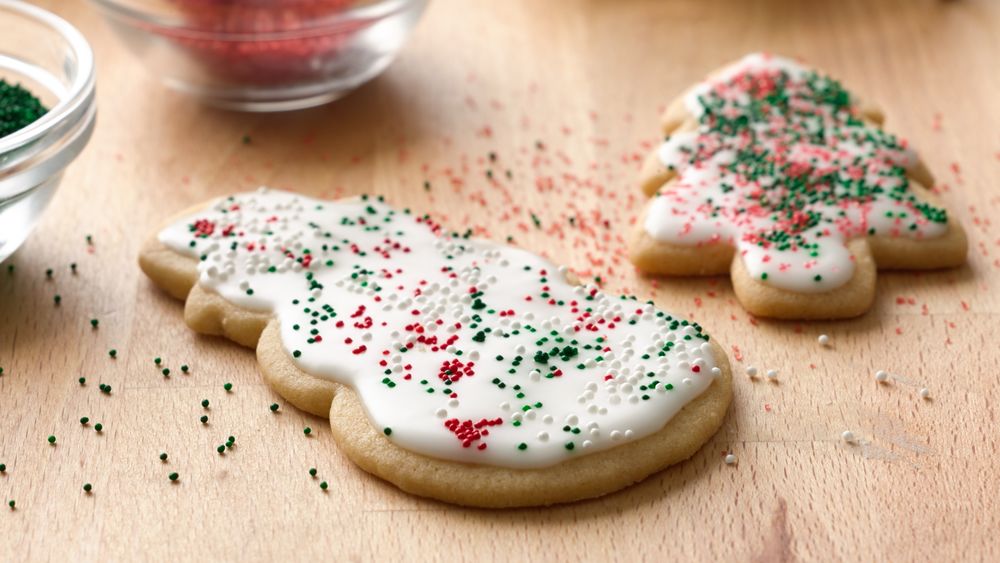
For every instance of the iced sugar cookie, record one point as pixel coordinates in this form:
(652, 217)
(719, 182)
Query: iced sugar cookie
(459, 369)
(777, 174)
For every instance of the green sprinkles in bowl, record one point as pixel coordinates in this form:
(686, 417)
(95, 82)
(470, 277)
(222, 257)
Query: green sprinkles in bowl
(18, 108)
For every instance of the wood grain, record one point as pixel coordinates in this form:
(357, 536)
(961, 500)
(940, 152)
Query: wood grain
(566, 95)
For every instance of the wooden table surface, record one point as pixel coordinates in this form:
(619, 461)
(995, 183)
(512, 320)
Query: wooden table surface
(565, 95)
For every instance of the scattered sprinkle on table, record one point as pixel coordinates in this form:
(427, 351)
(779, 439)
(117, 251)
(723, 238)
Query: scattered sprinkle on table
(165, 372)
(113, 353)
(87, 487)
(173, 477)
(157, 360)
(772, 374)
(925, 393)
(82, 380)
(823, 340)
(204, 404)
(11, 504)
(106, 389)
(221, 449)
(94, 323)
(274, 407)
(204, 419)
(3, 467)
(751, 371)
(848, 436)
(228, 386)
(312, 471)
(730, 459)
(57, 299)
(184, 368)
(52, 439)
(98, 427)
(163, 456)
(84, 421)
(307, 431)
(881, 376)
(323, 485)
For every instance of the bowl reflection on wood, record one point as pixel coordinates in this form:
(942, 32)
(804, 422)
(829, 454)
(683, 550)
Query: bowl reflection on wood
(264, 55)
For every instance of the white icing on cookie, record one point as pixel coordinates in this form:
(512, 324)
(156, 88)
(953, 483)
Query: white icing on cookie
(459, 349)
(782, 168)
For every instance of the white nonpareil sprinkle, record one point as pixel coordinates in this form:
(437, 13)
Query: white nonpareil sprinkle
(823, 340)
(881, 376)
(925, 393)
(848, 436)
(751, 371)
(730, 459)
(772, 374)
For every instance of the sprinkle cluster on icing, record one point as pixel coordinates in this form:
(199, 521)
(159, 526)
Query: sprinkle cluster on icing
(460, 349)
(783, 167)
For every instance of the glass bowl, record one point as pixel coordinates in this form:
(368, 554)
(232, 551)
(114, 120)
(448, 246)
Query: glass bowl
(50, 58)
(264, 55)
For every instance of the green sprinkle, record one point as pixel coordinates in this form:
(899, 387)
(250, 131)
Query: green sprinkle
(184, 368)
(163, 456)
(3, 467)
(94, 323)
(87, 487)
(307, 431)
(274, 407)
(173, 477)
(165, 372)
(57, 299)
(84, 420)
(11, 504)
(98, 427)
(312, 471)
(324, 485)
(204, 419)
(228, 386)
(18, 109)
(387, 431)
(157, 360)
(570, 445)
(204, 404)
(221, 449)
(113, 353)
(52, 439)
(82, 380)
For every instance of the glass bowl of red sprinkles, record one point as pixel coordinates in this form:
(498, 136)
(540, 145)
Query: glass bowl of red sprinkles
(47, 112)
(264, 55)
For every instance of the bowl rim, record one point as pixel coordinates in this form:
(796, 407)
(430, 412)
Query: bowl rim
(79, 90)
(180, 28)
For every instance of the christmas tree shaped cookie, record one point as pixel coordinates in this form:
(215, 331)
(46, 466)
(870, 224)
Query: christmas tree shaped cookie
(777, 174)
(459, 369)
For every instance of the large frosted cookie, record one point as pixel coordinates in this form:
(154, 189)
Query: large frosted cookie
(777, 174)
(459, 369)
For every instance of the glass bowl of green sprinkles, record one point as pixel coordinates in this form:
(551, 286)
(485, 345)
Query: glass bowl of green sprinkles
(264, 55)
(47, 112)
